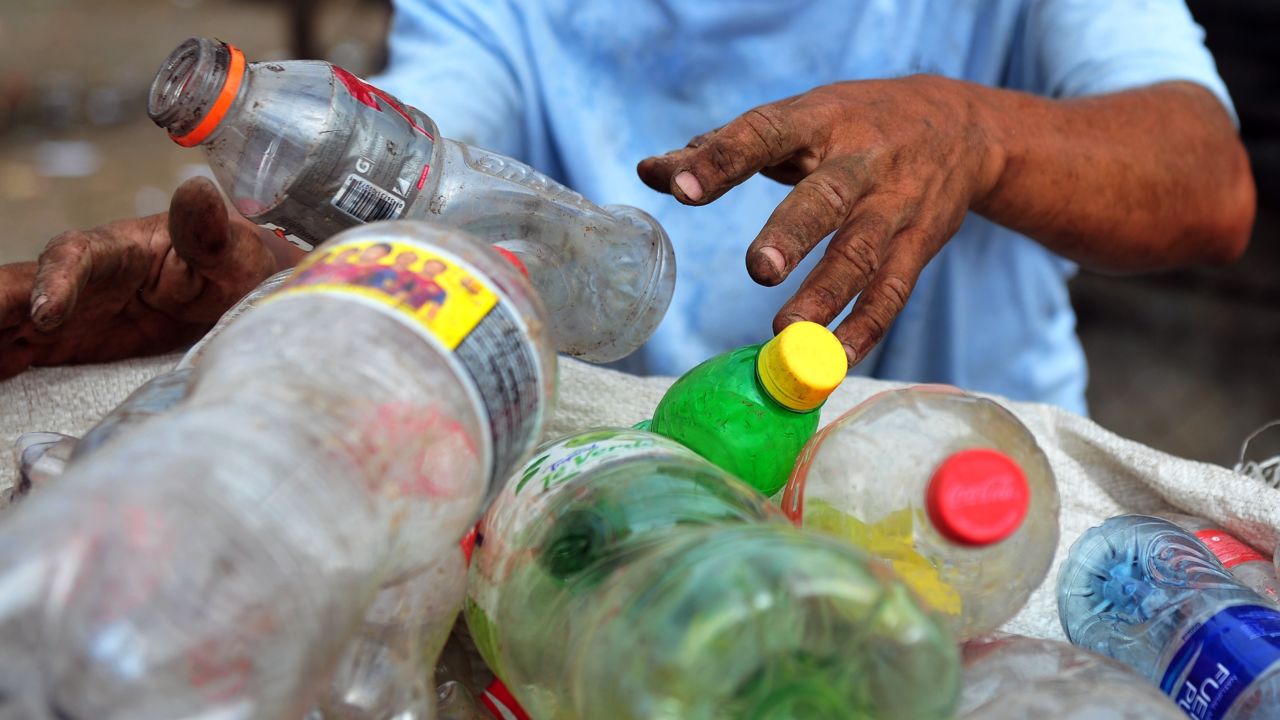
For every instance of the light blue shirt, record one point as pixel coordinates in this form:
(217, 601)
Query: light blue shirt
(584, 90)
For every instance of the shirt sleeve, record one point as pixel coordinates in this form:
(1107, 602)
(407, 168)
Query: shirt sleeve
(457, 60)
(1089, 47)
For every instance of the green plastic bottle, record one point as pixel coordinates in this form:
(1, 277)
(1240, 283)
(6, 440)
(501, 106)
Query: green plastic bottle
(752, 410)
(620, 576)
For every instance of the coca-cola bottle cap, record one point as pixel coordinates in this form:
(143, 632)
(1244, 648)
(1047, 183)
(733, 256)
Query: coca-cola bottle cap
(978, 497)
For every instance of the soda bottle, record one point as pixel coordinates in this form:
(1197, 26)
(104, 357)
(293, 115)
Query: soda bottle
(1009, 677)
(752, 409)
(215, 561)
(951, 489)
(1151, 595)
(1248, 566)
(310, 149)
(620, 575)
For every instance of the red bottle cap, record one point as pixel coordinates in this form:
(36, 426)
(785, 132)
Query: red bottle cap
(978, 497)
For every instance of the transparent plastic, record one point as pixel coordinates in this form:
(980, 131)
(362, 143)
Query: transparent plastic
(1250, 567)
(619, 575)
(1009, 677)
(42, 456)
(214, 562)
(311, 149)
(864, 478)
(1141, 590)
(384, 674)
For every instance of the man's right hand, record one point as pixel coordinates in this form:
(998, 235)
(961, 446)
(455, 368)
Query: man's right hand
(133, 287)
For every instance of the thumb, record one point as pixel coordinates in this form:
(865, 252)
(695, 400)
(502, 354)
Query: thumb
(212, 245)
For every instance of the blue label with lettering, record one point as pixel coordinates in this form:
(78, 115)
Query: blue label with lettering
(1221, 658)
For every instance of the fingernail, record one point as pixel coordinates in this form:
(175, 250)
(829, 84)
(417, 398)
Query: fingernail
(39, 303)
(850, 354)
(774, 257)
(689, 185)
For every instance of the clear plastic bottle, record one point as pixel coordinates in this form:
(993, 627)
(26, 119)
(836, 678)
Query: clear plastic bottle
(752, 409)
(951, 489)
(1248, 566)
(310, 149)
(385, 672)
(1010, 677)
(42, 456)
(620, 575)
(1151, 595)
(214, 562)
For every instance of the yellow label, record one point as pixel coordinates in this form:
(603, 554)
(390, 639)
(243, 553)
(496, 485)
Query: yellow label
(430, 287)
(891, 540)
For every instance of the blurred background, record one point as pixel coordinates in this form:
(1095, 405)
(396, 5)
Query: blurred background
(1188, 362)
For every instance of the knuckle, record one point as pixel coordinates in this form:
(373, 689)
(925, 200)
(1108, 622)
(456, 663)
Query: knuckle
(725, 162)
(829, 196)
(769, 127)
(67, 247)
(888, 299)
(827, 300)
(860, 257)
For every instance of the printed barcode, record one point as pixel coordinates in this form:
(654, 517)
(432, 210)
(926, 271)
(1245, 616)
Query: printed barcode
(367, 202)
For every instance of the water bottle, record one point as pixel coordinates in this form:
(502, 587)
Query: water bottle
(1151, 595)
(951, 489)
(1009, 677)
(1249, 566)
(619, 575)
(752, 409)
(215, 561)
(310, 149)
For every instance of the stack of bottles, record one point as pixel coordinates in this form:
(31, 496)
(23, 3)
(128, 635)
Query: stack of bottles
(284, 526)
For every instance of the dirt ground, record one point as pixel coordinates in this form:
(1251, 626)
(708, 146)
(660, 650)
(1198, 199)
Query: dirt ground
(1186, 363)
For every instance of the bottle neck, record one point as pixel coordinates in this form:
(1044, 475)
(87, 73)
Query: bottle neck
(195, 88)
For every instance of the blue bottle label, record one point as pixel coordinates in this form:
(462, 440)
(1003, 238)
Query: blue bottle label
(1221, 658)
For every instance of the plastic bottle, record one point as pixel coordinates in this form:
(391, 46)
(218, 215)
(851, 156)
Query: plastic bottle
(42, 456)
(1009, 677)
(951, 489)
(752, 409)
(1248, 566)
(1151, 595)
(619, 575)
(384, 674)
(215, 561)
(310, 149)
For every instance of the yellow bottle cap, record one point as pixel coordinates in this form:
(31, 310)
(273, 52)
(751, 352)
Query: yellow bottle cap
(802, 366)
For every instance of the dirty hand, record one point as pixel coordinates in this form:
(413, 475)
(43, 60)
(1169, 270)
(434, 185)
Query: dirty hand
(891, 167)
(133, 287)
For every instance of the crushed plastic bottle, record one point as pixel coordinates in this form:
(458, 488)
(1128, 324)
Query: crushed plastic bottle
(310, 149)
(1010, 677)
(619, 575)
(1248, 566)
(752, 409)
(347, 436)
(42, 457)
(1151, 595)
(951, 489)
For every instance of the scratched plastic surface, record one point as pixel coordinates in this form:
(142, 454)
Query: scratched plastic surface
(312, 150)
(1009, 677)
(864, 478)
(1143, 590)
(214, 562)
(620, 575)
(720, 410)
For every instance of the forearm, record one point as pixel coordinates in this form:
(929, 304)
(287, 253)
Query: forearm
(1138, 180)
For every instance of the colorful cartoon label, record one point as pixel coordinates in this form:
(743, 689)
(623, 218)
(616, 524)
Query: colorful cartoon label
(450, 303)
(1220, 658)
